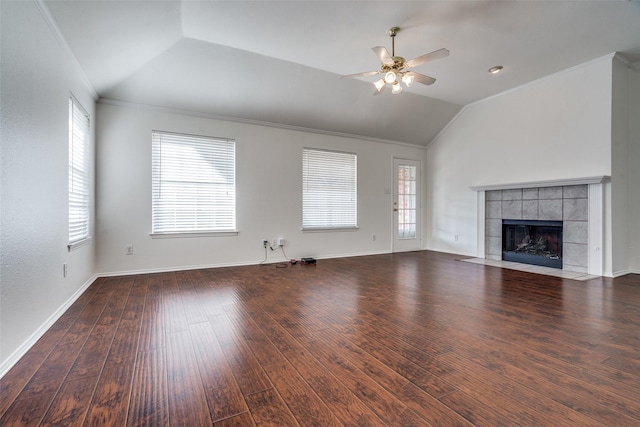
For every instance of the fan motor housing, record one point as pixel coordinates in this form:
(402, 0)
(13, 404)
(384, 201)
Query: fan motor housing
(398, 64)
(393, 31)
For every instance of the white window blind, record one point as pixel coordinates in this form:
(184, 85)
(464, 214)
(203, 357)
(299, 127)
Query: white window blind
(79, 179)
(193, 183)
(329, 189)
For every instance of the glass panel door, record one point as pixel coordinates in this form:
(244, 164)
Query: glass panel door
(406, 205)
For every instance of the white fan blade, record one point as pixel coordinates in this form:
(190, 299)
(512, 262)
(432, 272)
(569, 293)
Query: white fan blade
(366, 73)
(383, 54)
(421, 78)
(436, 54)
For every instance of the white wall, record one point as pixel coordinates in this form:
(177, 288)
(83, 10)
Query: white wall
(269, 198)
(38, 76)
(633, 160)
(620, 167)
(501, 140)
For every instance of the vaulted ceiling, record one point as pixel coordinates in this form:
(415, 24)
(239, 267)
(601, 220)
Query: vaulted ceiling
(280, 61)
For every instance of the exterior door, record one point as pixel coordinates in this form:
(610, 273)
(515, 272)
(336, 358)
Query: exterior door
(406, 206)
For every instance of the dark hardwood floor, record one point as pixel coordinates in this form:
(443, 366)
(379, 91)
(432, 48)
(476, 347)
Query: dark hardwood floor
(406, 339)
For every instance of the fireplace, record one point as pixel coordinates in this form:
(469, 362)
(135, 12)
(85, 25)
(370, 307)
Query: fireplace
(532, 242)
(579, 203)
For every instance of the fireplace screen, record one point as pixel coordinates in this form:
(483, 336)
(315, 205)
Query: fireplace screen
(532, 242)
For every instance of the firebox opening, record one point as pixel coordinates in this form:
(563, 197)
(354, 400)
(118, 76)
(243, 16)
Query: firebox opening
(532, 242)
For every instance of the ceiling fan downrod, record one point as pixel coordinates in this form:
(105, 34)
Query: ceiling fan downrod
(392, 33)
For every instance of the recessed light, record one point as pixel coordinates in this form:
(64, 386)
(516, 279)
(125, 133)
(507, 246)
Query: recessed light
(496, 69)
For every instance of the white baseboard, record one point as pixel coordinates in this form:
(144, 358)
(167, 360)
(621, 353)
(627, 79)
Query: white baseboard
(230, 264)
(177, 268)
(620, 273)
(354, 254)
(14, 357)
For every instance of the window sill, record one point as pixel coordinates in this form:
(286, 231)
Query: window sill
(193, 234)
(78, 244)
(328, 229)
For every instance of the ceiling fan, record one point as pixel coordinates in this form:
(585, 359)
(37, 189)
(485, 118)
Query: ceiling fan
(396, 68)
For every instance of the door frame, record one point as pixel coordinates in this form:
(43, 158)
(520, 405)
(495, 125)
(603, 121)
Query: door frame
(396, 246)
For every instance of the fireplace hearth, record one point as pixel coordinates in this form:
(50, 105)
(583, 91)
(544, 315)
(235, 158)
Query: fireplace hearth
(532, 242)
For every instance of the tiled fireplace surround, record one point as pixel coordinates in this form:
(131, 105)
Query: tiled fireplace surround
(569, 204)
(578, 202)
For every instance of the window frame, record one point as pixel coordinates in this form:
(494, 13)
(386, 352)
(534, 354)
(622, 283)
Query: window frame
(329, 157)
(227, 146)
(79, 175)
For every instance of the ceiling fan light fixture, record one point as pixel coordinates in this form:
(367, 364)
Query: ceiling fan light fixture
(379, 84)
(390, 77)
(395, 69)
(407, 79)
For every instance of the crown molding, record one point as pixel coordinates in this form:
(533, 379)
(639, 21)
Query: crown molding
(608, 57)
(53, 26)
(620, 57)
(447, 126)
(212, 116)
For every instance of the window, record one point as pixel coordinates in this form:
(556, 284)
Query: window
(79, 140)
(193, 184)
(407, 198)
(329, 189)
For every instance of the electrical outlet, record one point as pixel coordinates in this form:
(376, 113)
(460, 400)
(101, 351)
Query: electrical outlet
(265, 243)
(129, 250)
(280, 241)
(64, 270)
(274, 243)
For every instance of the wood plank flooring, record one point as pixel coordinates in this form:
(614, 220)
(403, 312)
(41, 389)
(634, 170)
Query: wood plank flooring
(407, 339)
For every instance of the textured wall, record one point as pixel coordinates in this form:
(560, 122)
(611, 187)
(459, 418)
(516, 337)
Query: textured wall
(38, 76)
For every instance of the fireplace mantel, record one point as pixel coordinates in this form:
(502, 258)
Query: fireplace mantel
(549, 183)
